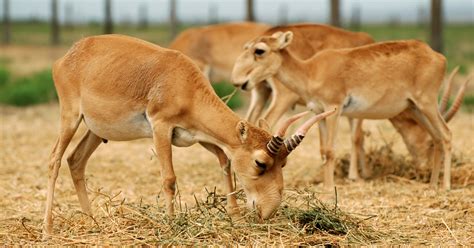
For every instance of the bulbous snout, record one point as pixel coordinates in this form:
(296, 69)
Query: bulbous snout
(266, 206)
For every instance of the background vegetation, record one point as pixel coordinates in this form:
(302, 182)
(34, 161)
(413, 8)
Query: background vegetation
(38, 87)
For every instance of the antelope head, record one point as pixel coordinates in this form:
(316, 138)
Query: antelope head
(259, 161)
(416, 138)
(260, 60)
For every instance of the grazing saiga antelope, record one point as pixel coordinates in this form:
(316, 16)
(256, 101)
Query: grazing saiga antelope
(416, 138)
(124, 88)
(377, 81)
(215, 47)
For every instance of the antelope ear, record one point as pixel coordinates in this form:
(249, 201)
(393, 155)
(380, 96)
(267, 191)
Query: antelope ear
(284, 39)
(277, 34)
(242, 130)
(263, 124)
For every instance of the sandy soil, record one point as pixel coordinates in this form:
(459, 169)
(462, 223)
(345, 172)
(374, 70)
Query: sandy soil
(408, 210)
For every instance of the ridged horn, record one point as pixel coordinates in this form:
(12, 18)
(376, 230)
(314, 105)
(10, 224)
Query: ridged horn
(277, 140)
(284, 126)
(447, 91)
(274, 145)
(457, 101)
(299, 135)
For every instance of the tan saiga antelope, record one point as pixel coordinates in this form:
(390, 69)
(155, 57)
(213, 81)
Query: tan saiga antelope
(124, 88)
(415, 137)
(376, 81)
(215, 47)
(308, 39)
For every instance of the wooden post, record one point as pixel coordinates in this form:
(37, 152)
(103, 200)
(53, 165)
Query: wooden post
(54, 23)
(143, 16)
(68, 16)
(108, 23)
(355, 18)
(437, 25)
(212, 12)
(250, 11)
(6, 22)
(173, 19)
(335, 18)
(283, 14)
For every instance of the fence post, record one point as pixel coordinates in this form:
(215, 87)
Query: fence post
(437, 25)
(283, 14)
(355, 18)
(173, 19)
(335, 18)
(108, 23)
(250, 11)
(6, 22)
(143, 16)
(54, 23)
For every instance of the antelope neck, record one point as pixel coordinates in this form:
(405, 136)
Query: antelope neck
(293, 73)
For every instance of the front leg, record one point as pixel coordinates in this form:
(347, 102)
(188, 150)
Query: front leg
(162, 133)
(259, 96)
(283, 99)
(224, 162)
(329, 151)
(357, 150)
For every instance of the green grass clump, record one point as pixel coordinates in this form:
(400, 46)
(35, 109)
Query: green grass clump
(468, 102)
(319, 219)
(4, 76)
(223, 89)
(34, 89)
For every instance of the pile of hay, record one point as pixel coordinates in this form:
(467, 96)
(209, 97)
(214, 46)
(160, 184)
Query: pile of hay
(384, 161)
(303, 220)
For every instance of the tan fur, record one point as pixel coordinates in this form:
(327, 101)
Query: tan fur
(374, 81)
(214, 48)
(308, 40)
(125, 88)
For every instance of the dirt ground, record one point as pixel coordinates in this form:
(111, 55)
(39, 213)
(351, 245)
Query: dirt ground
(406, 211)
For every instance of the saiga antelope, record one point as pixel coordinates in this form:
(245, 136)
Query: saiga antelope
(125, 88)
(309, 39)
(377, 81)
(416, 138)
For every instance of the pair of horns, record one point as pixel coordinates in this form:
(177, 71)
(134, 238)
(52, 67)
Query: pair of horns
(278, 140)
(443, 106)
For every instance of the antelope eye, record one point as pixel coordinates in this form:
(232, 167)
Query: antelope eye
(259, 51)
(261, 166)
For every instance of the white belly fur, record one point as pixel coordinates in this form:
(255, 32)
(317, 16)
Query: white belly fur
(134, 126)
(361, 108)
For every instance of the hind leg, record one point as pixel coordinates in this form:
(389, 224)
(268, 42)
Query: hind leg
(77, 163)
(429, 116)
(70, 119)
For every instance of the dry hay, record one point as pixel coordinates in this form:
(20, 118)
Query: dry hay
(124, 182)
(302, 220)
(384, 161)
